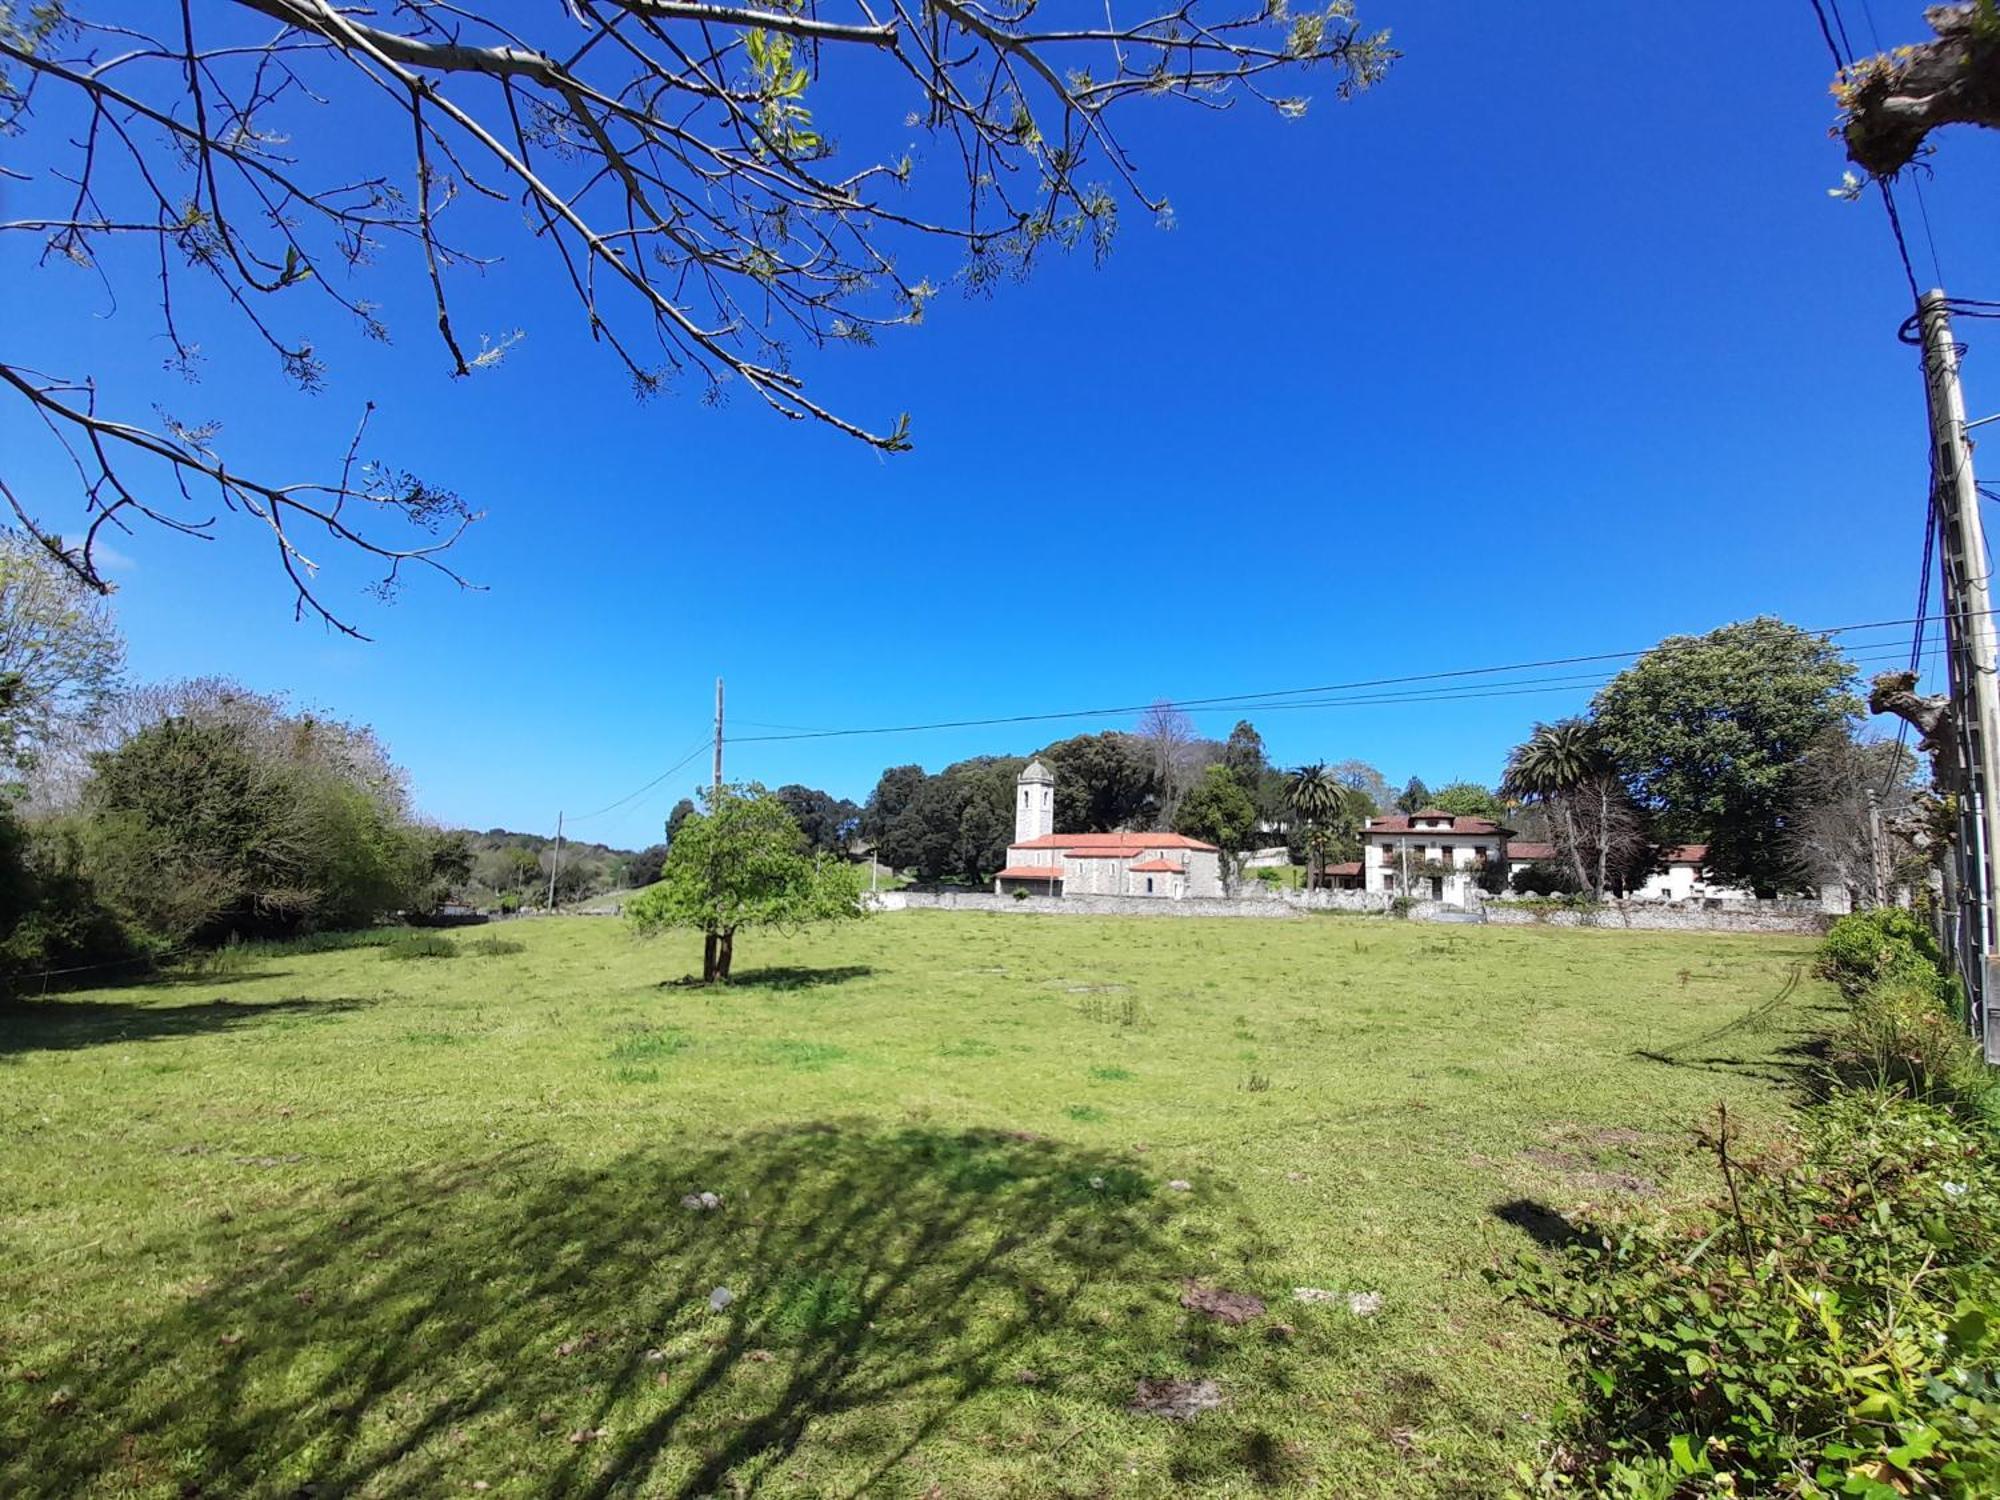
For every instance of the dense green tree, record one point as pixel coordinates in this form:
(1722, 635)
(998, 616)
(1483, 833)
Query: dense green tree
(683, 810)
(644, 867)
(742, 862)
(1218, 810)
(1468, 799)
(1243, 756)
(1705, 732)
(1104, 782)
(825, 820)
(1414, 797)
(891, 798)
(1552, 768)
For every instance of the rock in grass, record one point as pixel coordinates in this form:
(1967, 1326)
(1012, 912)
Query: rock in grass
(720, 1298)
(1221, 1304)
(1176, 1400)
(701, 1202)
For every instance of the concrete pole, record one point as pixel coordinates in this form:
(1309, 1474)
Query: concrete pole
(555, 862)
(718, 733)
(1970, 636)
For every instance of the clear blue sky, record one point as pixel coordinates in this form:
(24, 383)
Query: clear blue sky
(1554, 343)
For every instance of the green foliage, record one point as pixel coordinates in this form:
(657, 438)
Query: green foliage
(1468, 799)
(1104, 782)
(50, 913)
(494, 947)
(199, 827)
(1829, 1326)
(60, 652)
(1706, 732)
(1904, 1031)
(1544, 877)
(1885, 943)
(957, 823)
(1219, 811)
(420, 945)
(742, 862)
(1414, 797)
(643, 868)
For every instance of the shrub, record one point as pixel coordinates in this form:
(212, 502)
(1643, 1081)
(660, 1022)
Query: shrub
(1898, 1037)
(421, 945)
(494, 947)
(1885, 943)
(1833, 1330)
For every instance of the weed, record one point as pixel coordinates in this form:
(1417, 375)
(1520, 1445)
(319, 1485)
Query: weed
(818, 1306)
(805, 1057)
(650, 1043)
(1088, 1114)
(495, 947)
(1256, 1082)
(1112, 1075)
(420, 945)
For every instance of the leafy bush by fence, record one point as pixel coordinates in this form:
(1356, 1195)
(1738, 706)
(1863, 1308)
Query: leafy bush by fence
(1829, 1325)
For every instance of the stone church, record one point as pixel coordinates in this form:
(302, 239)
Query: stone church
(1042, 862)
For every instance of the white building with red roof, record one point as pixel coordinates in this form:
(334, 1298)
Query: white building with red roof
(1430, 854)
(1042, 862)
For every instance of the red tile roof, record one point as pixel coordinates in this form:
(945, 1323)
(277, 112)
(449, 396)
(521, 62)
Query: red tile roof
(1158, 867)
(1398, 823)
(1686, 854)
(1351, 867)
(1123, 843)
(1530, 851)
(1030, 872)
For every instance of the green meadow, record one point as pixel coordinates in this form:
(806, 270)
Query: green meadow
(367, 1221)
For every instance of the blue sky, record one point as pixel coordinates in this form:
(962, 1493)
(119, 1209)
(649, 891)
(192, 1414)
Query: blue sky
(1553, 344)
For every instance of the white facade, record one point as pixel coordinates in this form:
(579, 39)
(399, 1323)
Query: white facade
(1430, 855)
(1041, 862)
(1034, 803)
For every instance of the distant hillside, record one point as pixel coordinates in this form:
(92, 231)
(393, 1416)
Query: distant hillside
(512, 869)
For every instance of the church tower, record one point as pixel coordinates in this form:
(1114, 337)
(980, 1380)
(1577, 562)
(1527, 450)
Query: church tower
(1035, 806)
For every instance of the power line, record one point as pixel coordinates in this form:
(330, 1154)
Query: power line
(699, 746)
(1272, 700)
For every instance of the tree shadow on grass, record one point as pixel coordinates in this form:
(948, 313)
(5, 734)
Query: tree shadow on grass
(1541, 1224)
(58, 1025)
(514, 1318)
(792, 977)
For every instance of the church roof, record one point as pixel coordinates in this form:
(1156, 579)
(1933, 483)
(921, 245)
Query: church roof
(1036, 771)
(1113, 843)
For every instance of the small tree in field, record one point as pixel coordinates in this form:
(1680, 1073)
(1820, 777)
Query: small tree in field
(742, 862)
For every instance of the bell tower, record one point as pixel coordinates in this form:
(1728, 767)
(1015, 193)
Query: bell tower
(1034, 803)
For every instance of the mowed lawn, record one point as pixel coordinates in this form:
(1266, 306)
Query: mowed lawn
(331, 1224)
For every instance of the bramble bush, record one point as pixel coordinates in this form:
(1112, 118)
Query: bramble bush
(1828, 1325)
(1835, 1335)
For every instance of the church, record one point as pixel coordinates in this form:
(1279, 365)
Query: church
(1042, 862)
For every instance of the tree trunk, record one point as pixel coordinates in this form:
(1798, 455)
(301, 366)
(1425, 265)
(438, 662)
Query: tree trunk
(1603, 832)
(726, 955)
(1575, 849)
(709, 946)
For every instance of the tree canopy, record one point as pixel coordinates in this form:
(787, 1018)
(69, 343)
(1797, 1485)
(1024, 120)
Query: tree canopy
(713, 183)
(1705, 732)
(742, 862)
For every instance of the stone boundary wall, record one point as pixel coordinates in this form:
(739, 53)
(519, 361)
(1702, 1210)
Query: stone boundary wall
(1634, 916)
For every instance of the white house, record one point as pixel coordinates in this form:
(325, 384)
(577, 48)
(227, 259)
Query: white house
(1043, 862)
(1430, 854)
(1681, 873)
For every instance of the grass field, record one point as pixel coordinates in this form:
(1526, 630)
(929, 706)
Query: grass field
(334, 1224)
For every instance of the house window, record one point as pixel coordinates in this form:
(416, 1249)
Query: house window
(1149, 885)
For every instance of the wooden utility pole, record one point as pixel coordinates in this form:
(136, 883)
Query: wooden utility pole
(718, 733)
(1975, 694)
(555, 863)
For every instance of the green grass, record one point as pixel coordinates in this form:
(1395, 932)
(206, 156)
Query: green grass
(314, 1219)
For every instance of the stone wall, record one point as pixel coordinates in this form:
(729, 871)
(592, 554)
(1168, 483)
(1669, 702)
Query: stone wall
(1636, 916)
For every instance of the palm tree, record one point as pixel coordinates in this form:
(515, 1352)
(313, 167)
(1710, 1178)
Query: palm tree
(1555, 763)
(1314, 796)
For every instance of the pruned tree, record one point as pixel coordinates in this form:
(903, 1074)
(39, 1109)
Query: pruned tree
(675, 164)
(1169, 739)
(60, 660)
(1890, 103)
(1850, 796)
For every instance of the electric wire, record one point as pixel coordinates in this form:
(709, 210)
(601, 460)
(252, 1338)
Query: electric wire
(700, 745)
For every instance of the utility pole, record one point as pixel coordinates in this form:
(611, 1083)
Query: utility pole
(555, 863)
(1975, 694)
(718, 732)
